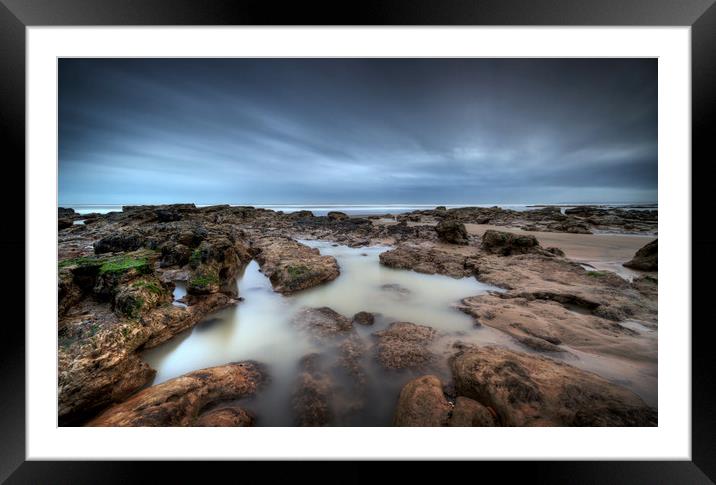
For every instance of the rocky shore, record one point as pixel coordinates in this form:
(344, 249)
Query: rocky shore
(117, 273)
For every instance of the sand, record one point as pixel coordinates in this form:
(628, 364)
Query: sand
(601, 251)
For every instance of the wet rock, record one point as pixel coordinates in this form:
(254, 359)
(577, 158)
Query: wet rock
(337, 216)
(300, 215)
(396, 289)
(177, 402)
(646, 258)
(364, 318)
(120, 241)
(452, 231)
(225, 417)
(468, 412)
(174, 254)
(506, 243)
(64, 223)
(405, 345)
(428, 260)
(217, 263)
(555, 251)
(422, 403)
(527, 390)
(63, 212)
(322, 324)
(139, 296)
(311, 397)
(291, 266)
(168, 215)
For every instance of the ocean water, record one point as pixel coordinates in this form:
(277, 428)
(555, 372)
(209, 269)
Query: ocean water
(367, 209)
(259, 328)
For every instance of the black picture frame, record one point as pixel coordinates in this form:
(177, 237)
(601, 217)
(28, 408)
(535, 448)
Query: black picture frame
(700, 15)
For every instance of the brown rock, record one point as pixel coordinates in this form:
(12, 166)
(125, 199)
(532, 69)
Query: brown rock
(225, 417)
(364, 318)
(506, 243)
(422, 403)
(527, 390)
(178, 401)
(405, 345)
(468, 412)
(646, 258)
(452, 231)
(291, 266)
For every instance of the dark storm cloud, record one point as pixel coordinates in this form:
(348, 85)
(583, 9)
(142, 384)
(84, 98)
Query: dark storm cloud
(357, 130)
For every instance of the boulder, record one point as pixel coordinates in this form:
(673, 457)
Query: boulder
(177, 402)
(528, 390)
(428, 260)
(232, 416)
(468, 412)
(364, 318)
(422, 403)
(646, 258)
(311, 397)
(405, 345)
(120, 241)
(292, 266)
(337, 216)
(322, 324)
(506, 243)
(452, 231)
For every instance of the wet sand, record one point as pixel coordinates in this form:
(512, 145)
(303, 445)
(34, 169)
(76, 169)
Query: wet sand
(600, 251)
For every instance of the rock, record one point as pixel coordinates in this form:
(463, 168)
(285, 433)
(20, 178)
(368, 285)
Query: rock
(120, 241)
(441, 208)
(422, 403)
(506, 243)
(468, 412)
(527, 390)
(168, 215)
(452, 231)
(405, 345)
(291, 266)
(364, 318)
(428, 260)
(177, 402)
(555, 251)
(64, 223)
(217, 263)
(225, 417)
(322, 324)
(646, 258)
(337, 216)
(174, 254)
(311, 398)
(64, 212)
(98, 354)
(300, 215)
(140, 296)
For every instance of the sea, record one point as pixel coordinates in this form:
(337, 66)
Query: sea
(376, 209)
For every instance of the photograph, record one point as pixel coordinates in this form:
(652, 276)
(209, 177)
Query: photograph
(357, 241)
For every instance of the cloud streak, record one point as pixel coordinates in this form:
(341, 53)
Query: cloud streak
(278, 131)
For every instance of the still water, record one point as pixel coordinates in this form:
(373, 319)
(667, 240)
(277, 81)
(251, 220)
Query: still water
(259, 329)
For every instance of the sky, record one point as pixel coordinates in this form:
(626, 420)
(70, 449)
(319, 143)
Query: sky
(357, 131)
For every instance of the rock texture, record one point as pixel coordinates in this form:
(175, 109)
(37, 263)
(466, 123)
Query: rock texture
(422, 403)
(405, 345)
(179, 401)
(526, 390)
(292, 266)
(452, 231)
(428, 260)
(646, 258)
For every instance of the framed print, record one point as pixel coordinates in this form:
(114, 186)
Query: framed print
(416, 234)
